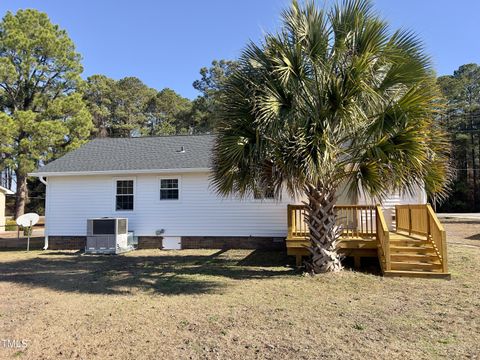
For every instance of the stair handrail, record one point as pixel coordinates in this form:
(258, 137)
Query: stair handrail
(438, 237)
(383, 237)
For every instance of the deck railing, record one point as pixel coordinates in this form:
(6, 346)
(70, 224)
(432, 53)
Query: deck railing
(422, 220)
(438, 236)
(357, 221)
(383, 238)
(297, 226)
(412, 219)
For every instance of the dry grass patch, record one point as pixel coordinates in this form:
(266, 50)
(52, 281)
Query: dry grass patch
(234, 305)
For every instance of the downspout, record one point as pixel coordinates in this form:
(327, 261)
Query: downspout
(43, 181)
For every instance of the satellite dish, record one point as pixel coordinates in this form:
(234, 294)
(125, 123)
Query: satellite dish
(27, 220)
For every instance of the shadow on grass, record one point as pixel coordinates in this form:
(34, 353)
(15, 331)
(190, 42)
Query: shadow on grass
(169, 274)
(369, 265)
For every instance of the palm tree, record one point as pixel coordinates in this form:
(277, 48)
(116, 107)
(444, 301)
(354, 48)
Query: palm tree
(333, 98)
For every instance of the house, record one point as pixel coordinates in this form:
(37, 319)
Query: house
(162, 185)
(3, 192)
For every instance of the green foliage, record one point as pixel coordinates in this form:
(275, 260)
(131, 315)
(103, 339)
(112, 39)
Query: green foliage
(213, 78)
(462, 89)
(210, 85)
(331, 98)
(10, 225)
(129, 113)
(168, 113)
(462, 94)
(98, 95)
(42, 116)
(38, 61)
(8, 129)
(128, 107)
(118, 108)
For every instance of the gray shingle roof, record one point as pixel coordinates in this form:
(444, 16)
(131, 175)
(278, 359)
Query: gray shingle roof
(130, 154)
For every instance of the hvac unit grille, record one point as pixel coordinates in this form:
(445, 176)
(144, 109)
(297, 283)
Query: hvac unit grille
(107, 236)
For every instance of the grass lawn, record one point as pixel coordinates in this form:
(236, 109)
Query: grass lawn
(234, 305)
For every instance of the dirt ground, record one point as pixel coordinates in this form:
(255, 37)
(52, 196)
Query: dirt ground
(235, 304)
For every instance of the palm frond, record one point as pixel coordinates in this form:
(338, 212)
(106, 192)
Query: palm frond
(334, 96)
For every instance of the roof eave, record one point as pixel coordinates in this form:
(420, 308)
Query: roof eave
(120, 172)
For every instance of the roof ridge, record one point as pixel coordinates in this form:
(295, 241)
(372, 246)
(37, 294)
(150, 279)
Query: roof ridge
(150, 137)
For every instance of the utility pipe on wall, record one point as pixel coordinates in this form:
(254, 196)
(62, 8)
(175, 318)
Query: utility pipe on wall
(43, 181)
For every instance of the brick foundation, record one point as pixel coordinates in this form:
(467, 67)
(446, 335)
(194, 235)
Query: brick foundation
(150, 242)
(67, 242)
(79, 242)
(36, 243)
(232, 242)
(188, 242)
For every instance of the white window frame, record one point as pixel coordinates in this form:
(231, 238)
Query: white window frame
(134, 179)
(179, 179)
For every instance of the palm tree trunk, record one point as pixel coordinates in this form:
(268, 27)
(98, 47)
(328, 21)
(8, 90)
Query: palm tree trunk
(324, 233)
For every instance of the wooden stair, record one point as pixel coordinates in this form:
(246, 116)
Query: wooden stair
(416, 274)
(417, 249)
(413, 257)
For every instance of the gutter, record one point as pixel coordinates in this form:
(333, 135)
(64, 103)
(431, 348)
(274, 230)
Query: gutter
(6, 191)
(119, 172)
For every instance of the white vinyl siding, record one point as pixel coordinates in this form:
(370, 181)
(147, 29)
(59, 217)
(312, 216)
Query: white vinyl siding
(71, 200)
(419, 196)
(199, 212)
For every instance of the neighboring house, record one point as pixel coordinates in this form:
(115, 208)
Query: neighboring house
(3, 192)
(162, 185)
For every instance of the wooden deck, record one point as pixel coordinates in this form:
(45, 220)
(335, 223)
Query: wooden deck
(417, 248)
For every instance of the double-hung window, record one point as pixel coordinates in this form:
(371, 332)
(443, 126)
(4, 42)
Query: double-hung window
(169, 189)
(124, 195)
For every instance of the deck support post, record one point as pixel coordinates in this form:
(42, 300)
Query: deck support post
(357, 263)
(298, 260)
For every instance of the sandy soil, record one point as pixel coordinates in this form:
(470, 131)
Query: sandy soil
(234, 305)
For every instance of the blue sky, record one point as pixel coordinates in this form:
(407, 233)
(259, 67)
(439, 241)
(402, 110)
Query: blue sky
(165, 43)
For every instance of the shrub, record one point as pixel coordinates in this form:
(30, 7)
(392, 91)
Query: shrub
(10, 225)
